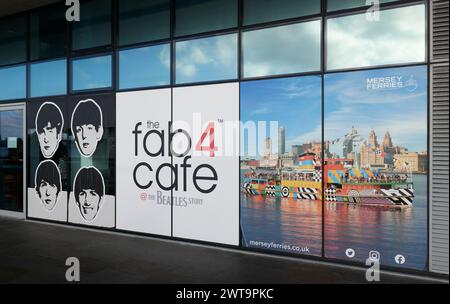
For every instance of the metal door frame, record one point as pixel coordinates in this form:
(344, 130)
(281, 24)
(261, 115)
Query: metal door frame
(11, 107)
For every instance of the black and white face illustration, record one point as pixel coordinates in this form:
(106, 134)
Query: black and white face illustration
(49, 125)
(87, 126)
(48, 184)
(89, 191)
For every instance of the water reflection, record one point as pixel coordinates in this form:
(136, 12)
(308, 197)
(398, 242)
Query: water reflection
(389, 230)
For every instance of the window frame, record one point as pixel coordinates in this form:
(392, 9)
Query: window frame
(105, 89)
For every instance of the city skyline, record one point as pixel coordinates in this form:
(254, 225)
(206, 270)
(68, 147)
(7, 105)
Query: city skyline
(295, 103)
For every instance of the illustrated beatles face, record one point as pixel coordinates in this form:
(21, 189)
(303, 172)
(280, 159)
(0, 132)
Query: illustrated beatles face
(87, 130)
(87, 126)
(48, 184)
(89, 190)
(49, 125)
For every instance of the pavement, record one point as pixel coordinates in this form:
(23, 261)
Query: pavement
(35, 252)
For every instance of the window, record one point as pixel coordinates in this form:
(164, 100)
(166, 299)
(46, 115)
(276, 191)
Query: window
(376, 146)
(281, 142)
(94, 29)
(48, 33)
(206, 59)
(334, 5)
(92, 73)
(48, 78)
(141, 21)
(13, 40)
(257, 11)
(398, 37)
(282, 50)
(13, 82)
(196, 16)
(144, 67)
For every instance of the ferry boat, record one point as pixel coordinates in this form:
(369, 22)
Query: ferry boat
(343, 183)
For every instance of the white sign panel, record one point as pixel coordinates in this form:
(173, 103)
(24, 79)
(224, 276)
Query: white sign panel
(143, 161)
(206, 163)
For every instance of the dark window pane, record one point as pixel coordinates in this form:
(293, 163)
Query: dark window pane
(196, 16)
(334, 5)
(398, 37)
(144, 67)
(13, 82)
(94, 29)
(92, 73)
(48, 33)
(141, 21)
(13, 40)
(48, 78)
(257, 11)
(273, 51)
(206, 59)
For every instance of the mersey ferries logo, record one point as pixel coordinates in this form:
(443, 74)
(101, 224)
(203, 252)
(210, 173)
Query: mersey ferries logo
(392, 82)
(155, 142)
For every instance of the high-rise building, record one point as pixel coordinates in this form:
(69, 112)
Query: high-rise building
(267, 147)
(281, 141)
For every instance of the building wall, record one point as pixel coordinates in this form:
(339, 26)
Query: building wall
(133, 116)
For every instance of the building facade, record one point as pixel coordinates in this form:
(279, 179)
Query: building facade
(97, 116)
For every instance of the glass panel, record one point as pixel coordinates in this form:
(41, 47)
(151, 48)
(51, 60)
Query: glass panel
(398, 37)
(13, 40)
(47, 158)
(48, 33)
(274, 51)
(144, 67)
(281, 144)
(92, 160)
(257, 11)
(196, 16)
(141, 21)
(207, 59)
(13, 82)
(92, 73)
(334, 5)
(11, 160)
(94, 28)
(48, 78)
(376, 172)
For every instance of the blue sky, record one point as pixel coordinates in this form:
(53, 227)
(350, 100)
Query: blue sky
(401, 111)
(294, 102)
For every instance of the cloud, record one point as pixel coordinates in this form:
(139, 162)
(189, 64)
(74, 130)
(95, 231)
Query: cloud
(398, 37)
(282, 50)
(205, 57)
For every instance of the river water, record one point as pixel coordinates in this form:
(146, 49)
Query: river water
(297, 225)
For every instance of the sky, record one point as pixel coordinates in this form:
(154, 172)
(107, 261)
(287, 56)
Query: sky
(207, 59)
(397, 37)
(295, 103)
(401, 111)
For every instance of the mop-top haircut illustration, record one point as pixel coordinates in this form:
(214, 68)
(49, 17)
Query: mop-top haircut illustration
(48, 184)
(49, 126)
(89, 191)
(87, 126)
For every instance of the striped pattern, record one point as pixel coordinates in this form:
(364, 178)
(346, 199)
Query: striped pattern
(305, 196)
(399, 197)
(439, 137)
(249, 189)
(307, 190)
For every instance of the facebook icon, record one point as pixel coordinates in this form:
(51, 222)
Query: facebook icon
(400, 259)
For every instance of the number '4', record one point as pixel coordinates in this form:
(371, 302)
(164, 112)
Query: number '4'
(211, 147)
